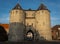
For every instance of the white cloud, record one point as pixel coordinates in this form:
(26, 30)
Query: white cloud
(55, 18)
(4, 19)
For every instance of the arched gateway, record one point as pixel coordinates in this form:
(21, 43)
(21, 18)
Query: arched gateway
(30, 35)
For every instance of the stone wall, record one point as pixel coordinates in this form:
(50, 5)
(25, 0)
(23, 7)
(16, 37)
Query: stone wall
(43, 24)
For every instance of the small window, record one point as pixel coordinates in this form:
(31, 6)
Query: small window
(32, 24)
(16, 11)
(43, 23)
(42, 11)
(37, 21)
(33, 14)
(45, 12)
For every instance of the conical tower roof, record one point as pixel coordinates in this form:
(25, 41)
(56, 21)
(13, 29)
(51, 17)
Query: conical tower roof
(17, 7)
(42, 7)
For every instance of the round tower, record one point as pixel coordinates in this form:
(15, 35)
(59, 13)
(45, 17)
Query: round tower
(43, 23)
(16, 24)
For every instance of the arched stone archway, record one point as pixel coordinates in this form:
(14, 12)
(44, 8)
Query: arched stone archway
(3, 34)
(30, 35)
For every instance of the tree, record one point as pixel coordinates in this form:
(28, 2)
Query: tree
(3, 34)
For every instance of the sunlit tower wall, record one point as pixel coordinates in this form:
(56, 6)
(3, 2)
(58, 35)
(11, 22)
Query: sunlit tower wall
(16, 29)
(43, 23)
(30, 17)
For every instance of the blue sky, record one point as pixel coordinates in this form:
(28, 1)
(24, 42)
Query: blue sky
(52, 5)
